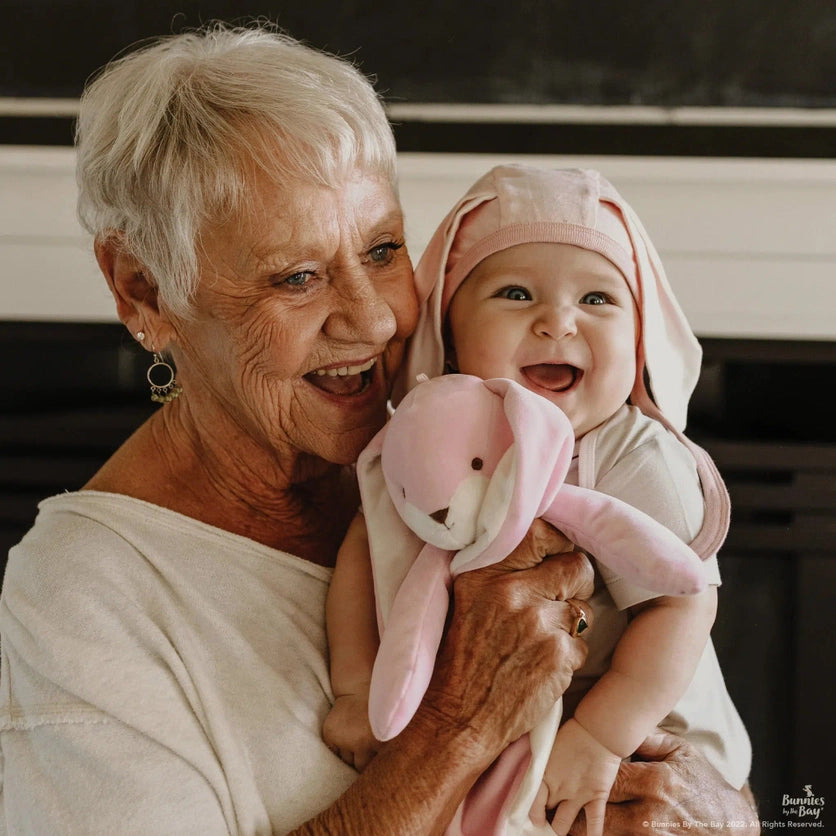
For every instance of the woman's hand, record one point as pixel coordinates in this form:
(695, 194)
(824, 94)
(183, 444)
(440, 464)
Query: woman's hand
(509, 652)
(507, 655)
(670, 781)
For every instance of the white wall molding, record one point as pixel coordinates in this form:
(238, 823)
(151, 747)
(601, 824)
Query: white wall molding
(557, 114)
(527, 113)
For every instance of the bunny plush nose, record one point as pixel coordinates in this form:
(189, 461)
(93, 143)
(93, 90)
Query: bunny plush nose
(440, 516)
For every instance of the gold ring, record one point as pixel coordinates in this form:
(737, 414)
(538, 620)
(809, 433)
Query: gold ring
(580, 625)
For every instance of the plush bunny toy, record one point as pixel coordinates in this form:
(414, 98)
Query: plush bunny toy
(468, 464)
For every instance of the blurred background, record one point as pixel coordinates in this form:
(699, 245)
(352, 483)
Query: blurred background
(715, 119)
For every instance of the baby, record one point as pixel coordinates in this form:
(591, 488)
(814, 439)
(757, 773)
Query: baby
(547, 278)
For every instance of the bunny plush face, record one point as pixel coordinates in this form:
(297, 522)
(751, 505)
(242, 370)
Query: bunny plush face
(439, 472)
(466, 465)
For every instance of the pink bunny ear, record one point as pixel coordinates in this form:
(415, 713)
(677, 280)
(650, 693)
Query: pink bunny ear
(669, 350)
(541, 455)
(628, 541)
(671, 354)
(409, 643)
(426, 354)
(544, 438)
(371, 451)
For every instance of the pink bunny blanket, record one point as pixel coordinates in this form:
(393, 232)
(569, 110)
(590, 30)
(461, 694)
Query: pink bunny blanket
(452, 483)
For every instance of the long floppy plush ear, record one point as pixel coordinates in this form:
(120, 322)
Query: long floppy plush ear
(412, 598)
(628, 541)
(426, 346)
(538, 463)
(393, 545)
(671, 354)
(409, 643)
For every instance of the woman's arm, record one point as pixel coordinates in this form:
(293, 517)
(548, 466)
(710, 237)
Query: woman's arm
(506, 657)
(669, 780)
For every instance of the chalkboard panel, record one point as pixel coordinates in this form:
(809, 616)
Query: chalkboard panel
(765, 53)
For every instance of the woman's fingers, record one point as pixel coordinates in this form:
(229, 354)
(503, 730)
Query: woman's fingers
(560, 577)
(575, 617)
(569, 648)
(514, 639)
(541, 540)
(537, 814)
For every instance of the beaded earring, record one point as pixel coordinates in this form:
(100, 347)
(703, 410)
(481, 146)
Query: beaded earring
(160, 375)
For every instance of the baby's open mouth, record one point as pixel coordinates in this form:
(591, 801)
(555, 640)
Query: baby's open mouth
(343, 380)
(556, 377)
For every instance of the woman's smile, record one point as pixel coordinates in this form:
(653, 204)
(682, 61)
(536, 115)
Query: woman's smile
(307, 364)
(344, 380)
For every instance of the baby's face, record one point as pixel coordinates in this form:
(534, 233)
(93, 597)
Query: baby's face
(556, 318)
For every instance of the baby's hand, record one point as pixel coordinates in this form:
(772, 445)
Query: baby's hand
(347, 732)
(579, 775)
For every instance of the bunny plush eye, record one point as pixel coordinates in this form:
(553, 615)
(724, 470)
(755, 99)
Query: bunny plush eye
(476, 464)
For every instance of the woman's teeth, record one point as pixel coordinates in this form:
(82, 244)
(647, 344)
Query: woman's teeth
(343, 371)
(344, 380)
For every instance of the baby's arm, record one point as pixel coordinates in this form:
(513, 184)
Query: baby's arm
(352, 642)
(651, 667)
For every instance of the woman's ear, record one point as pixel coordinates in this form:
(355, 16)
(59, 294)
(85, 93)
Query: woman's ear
(134, 291)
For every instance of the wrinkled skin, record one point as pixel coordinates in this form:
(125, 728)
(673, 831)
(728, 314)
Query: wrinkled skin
(670, 781)
(299, 319)
(519, 605)
(507, 655)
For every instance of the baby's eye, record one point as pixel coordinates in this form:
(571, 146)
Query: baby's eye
(515, 294)
(595, 298)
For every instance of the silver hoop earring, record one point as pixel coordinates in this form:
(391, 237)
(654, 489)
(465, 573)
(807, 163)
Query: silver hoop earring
(160, 376)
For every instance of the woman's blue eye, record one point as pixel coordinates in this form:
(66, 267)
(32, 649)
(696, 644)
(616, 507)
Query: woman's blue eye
(383, 254)
(516, 294)
(297, 279)
(595, 298)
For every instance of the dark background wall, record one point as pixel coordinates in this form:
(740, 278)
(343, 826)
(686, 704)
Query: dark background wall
(665, 53)
(658, 52)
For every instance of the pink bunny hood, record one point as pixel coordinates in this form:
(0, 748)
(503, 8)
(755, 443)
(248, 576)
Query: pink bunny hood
(517, 204)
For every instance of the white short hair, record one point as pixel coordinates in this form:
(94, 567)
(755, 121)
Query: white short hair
(168, 137)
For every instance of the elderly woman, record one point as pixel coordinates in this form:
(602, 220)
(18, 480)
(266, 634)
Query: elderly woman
(163, 640)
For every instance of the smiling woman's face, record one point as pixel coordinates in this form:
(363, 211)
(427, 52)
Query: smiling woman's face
(302, 310)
